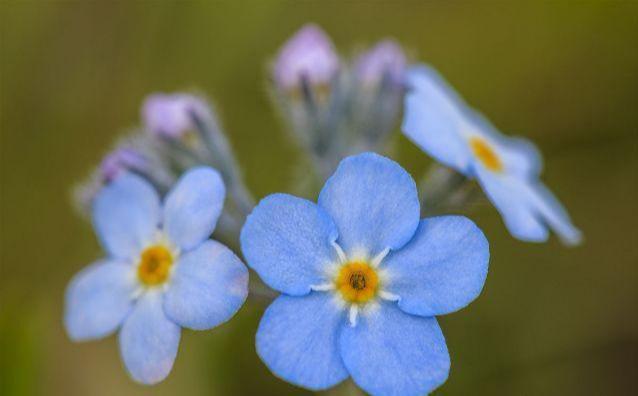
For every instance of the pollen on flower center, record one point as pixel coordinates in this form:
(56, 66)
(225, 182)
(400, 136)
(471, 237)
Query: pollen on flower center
(155, 264)
(357, 282)
(485, 153)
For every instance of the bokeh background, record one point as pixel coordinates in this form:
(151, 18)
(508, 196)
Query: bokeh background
(551, 321)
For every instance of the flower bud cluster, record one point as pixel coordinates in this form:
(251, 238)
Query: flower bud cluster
(179, 131)
(335, 106)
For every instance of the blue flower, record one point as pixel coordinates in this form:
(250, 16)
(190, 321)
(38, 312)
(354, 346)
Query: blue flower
(508, 169)
(361, 279)
(161, 271)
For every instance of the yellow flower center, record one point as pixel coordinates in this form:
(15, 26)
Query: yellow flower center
(357, 282)
(155, 265)
(484, 152)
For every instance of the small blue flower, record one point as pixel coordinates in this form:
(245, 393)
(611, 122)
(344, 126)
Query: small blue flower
(161, 271)
(508, 169)
(362, 279)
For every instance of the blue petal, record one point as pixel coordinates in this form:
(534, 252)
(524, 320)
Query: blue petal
(149, 340)
(208, 286)
(442, 269)
(126, 215)
(434, 118)
(373, 202)
(390, 352)
(553, 213)
(287, 240)
(519, 156)
(527, 208)
(511, 198)
(193, 206)
(98, 299)
(298, 340)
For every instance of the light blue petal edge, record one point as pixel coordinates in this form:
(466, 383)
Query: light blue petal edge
(192, 207)
(126, 214)
(373, 202)
(207, 287)
(298, 340)
(442, 269)
(287, 241)
(149, 340)
(392, 353)
(98, 299)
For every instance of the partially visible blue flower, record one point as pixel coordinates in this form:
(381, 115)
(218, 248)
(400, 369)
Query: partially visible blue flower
(161, 272)
(361, 279)
(308, 54)
(121, 160)
(171, 115)
(384, 60)
(508, 169)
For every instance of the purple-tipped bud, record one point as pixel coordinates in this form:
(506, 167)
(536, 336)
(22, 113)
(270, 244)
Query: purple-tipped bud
(121, 160)
(308, 54)
(385, 58)
(171, 115)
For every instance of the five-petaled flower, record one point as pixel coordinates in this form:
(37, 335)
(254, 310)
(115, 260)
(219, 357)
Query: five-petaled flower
(508, 169)
(361, 279)
(161, 271)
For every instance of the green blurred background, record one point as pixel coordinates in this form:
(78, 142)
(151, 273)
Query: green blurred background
(551, 320)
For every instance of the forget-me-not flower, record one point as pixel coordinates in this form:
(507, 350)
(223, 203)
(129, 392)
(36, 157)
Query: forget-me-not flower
(439, 122)
(361, 279)
(161, 272)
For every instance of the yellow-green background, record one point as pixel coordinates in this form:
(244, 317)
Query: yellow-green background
(551, 320)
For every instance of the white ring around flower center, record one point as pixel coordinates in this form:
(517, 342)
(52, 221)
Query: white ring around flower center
(356, 282)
